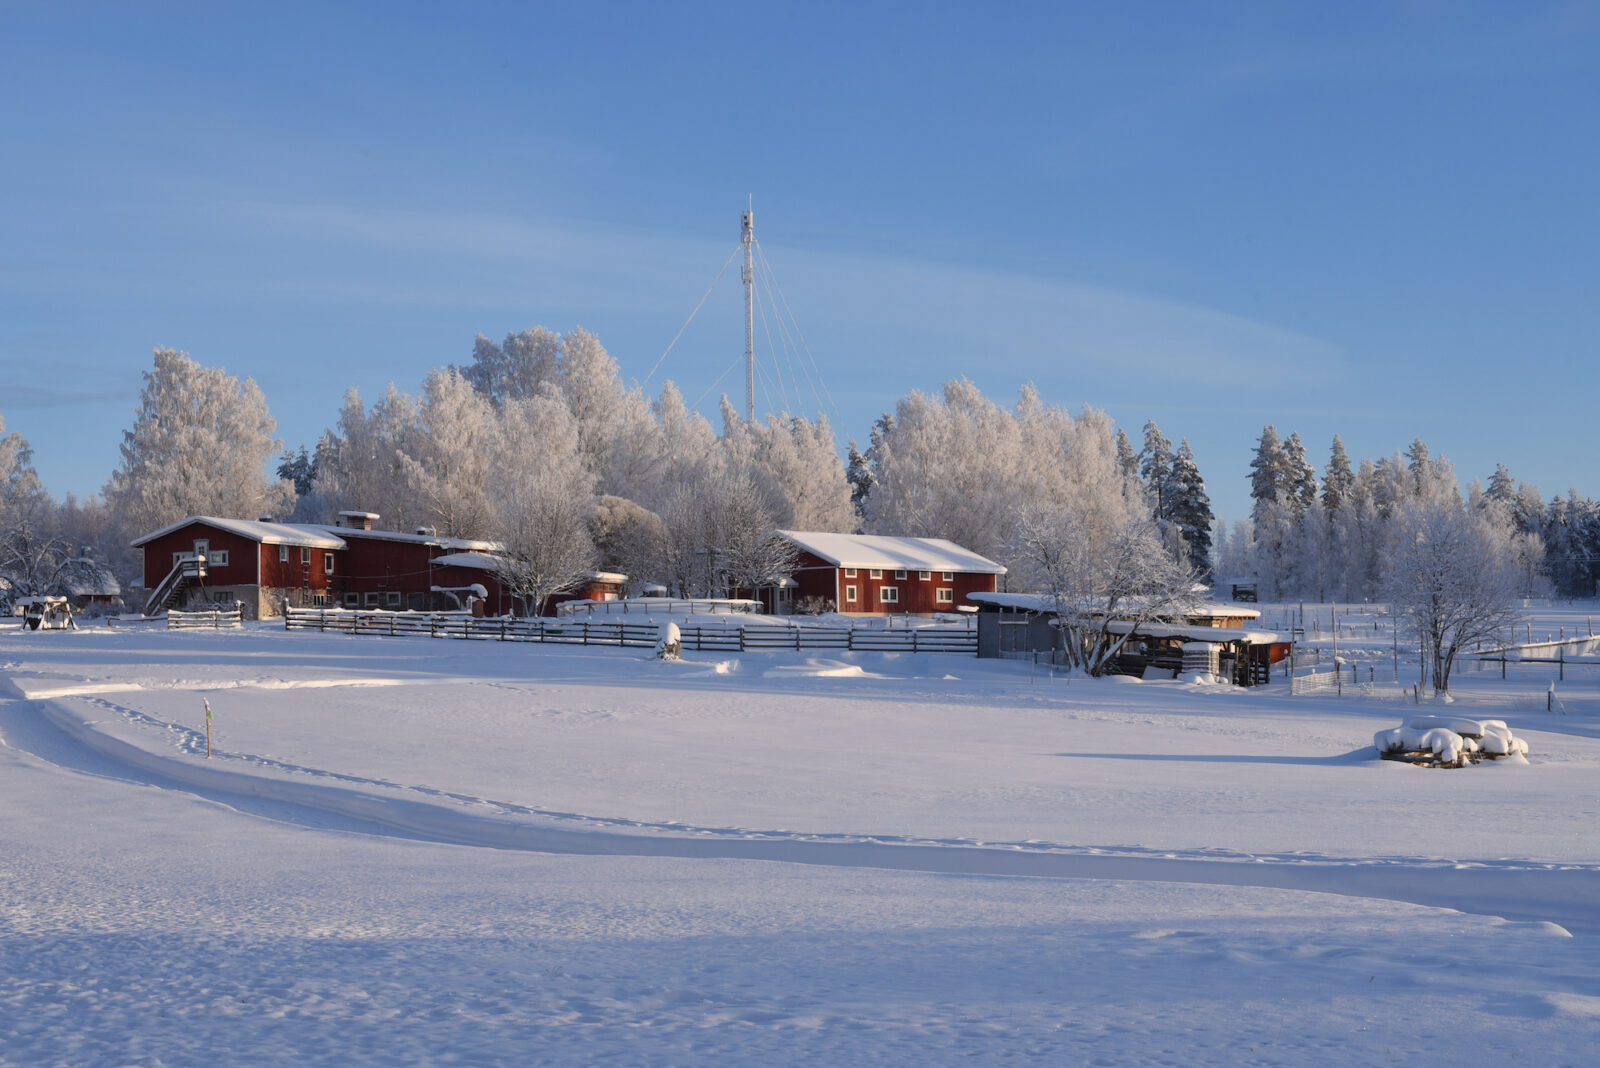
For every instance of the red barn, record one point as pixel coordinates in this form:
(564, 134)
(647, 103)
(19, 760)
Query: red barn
(873, 574)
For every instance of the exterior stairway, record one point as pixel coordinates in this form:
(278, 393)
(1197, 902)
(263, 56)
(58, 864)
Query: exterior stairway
(189, 568)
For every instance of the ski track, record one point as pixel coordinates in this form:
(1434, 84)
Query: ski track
(1517, 891)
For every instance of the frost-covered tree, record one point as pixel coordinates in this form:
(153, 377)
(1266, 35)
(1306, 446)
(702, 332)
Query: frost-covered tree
(200, 444)
(1127, 460)
(447, 468)
(1190, 509)
(1099, 569)
(1452, 578)
(31, 550)
(1337, 478)
(1155, 467)
(542, 498)
(1300, 477)
(1268, 484)
(516, 369)
(360, 464)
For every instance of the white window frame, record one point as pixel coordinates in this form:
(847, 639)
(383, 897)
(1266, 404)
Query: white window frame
(392, 597)
(850, 593)
(217, 557)
(876, 572)
(889, 595)
(305, 556)
(924, 575)
(849, 572)
(327, 563)
(283, 554)
(949, 576)
(945, 595)
(352, 599)
(899, 572)
(372, 599)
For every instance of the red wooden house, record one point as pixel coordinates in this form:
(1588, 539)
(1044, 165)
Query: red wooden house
(268, 566)
(873, 574)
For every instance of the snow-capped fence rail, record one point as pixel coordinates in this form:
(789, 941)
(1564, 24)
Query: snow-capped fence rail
(215, 618)
(721, 639)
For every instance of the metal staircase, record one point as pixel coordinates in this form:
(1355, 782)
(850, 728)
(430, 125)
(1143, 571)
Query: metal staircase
(189, 568)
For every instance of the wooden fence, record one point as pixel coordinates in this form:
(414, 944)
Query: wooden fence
(721, 639)
(215, 618)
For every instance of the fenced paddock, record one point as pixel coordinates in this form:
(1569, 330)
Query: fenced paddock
(723, 638)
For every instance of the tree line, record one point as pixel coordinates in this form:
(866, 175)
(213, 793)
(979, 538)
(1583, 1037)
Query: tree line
(536, 443)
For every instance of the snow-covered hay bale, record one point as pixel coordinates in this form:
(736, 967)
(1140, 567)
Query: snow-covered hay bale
(1448, 741)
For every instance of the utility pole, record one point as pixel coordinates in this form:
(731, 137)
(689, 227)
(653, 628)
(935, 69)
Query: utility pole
(747, 236)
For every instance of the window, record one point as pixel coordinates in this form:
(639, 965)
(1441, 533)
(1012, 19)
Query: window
(392, 597)
(327, 563)
(283, 554)
(924, 575)
(889, 594)
(177, 557)
(946, 596)
(221, 597)
(849, 572)
(850, 593)
(900, 573)
(305, 556)
(876, 572)
(372, 600)
(949, 576)
(217, 558)
(352, 600)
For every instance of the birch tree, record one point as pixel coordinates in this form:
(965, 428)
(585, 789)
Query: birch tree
(1452, 579)
(200, 444)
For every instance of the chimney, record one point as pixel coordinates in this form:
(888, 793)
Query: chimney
(353, 520)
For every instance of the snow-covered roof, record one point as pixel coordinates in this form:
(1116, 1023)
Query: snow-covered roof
(481, 561)
(460, 545)
(1026, 602)
(317, 537)
(886, 551)
(1043, 602)
(1199, 632)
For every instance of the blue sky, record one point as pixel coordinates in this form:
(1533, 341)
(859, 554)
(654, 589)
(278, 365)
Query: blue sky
(1376, 220)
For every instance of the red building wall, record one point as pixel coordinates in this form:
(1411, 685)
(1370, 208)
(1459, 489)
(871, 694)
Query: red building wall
(916, 595)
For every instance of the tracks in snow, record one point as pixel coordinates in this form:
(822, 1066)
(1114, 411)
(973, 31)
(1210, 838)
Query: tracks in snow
(1518, 891)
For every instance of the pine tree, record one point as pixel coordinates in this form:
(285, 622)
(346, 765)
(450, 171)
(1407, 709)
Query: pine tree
(1266, 472)
(1191, 509)
(1127, 462)
(1501, 489)
(859, 473)
(1300, 477)
(1337, 478)
(1155, 467)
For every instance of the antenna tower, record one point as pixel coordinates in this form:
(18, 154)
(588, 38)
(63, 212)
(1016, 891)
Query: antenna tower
(747, 236)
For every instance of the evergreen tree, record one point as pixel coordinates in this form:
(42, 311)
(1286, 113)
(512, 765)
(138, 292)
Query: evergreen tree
(1155, 467)
(1300, 477)
(300, 468)
(1191, 509)
(859, 474)
(1337, 478)
(1501, 490)
(1127, 462)
(1267, 484)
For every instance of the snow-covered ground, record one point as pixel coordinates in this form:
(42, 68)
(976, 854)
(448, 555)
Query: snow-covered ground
(415, 850)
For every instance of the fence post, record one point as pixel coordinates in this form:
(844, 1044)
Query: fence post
(914, 641)
(741, 639)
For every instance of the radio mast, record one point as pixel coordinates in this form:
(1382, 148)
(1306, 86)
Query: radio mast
(747, 236)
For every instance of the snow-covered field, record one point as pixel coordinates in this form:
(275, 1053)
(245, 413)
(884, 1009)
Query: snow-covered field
(420, 851)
